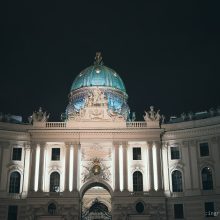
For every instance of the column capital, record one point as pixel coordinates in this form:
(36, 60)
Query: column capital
(67, 144)
(185, 143)
(150, 144)
(157, 144)
(125, 144)
(116, 144)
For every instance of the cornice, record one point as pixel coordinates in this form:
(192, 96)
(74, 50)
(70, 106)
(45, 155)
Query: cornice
(14, 135)
(213, 130)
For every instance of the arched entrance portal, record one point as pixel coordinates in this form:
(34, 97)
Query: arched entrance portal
(96, 202)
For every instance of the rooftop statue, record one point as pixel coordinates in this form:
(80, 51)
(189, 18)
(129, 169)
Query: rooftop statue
(152, 115)
(39, 116)
(153, 118)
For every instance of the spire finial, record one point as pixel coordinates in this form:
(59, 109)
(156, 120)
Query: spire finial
(98, 58)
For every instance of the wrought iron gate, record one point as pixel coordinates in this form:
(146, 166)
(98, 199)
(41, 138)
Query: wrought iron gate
(97, 211)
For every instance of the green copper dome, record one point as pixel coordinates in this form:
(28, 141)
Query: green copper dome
(98, 75)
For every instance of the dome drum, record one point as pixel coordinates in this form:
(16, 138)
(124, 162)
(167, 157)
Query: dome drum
(117, 100)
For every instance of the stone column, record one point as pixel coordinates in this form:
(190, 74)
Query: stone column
(187, 175)
(150, 166)
(116, 158)
(125, 167)
(27, 153)
(165, 167)
(41, 168)
(75, 166)
(1, 155)
(67, 167)
(214, 150)
(158, 159)
(33, 167)
(4, 159)
(194, 165)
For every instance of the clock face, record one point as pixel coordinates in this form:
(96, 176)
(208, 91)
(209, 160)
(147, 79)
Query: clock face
(96, 169)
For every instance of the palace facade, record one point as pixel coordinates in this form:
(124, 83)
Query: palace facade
(100, 164)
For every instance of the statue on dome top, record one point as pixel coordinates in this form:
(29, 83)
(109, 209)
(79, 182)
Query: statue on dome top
(98, 58)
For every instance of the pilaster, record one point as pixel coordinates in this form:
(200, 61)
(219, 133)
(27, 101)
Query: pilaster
(27, 154)
(67, 166)
(150, 166)
(41, 167)
(75, 166)
(116, 158)
(158, 162)
(125, 166)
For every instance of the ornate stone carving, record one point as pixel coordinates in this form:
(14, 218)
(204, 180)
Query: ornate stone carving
(96, 109)
(96, 169)
(152, 115)
(39, 116)
(96, 98)
(153, 118)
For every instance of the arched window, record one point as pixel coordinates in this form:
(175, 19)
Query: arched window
(207, 182)
(52, 209)
(137, 181)
(55, 182)
(14, 185)
(177, 182)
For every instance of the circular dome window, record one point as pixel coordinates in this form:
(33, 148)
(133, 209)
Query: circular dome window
(139, 207)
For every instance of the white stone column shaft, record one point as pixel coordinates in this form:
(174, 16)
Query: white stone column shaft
(27, 153)
(67, 167)
(150, 166)
(33, 167)
(159, 173)
(116, 158)
(125, 166)
(41, 168)
(5, 158)
(75, 167)
(1, 155)
(165, 167)
(187, 175)
(214, 151)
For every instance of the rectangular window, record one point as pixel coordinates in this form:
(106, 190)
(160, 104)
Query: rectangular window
(175, 153)
(16, 154)
(136, 153)
(55, 153)
(178, 211)
(12, 212)
(204, 149)
(209, 209)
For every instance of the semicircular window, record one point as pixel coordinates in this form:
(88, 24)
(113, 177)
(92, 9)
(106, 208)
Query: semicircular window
(139, 207)
(98, 207)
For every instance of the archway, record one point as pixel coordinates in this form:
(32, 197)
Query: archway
(96, 201)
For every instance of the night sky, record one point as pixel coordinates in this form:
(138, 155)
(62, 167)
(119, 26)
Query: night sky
(166, 53)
